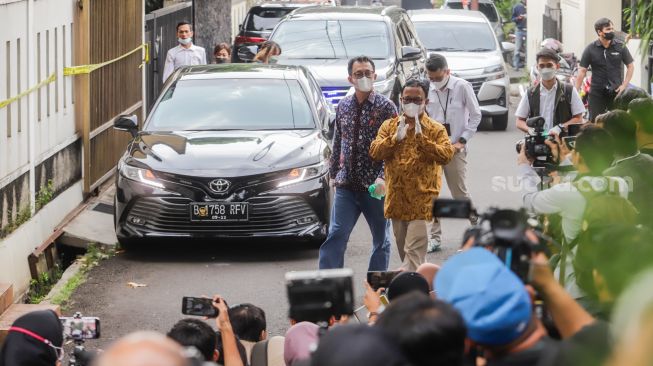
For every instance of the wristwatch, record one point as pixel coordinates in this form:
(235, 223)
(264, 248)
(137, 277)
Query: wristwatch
(462, 140)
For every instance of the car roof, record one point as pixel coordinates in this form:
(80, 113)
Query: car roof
(448, 15)
(346, 13)
(242, 71)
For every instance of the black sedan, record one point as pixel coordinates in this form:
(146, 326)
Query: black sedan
(228, 151)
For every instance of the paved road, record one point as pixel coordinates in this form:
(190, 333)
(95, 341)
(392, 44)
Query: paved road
(254, 272)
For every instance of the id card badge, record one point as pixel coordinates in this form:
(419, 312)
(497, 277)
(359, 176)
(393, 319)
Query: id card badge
(448, 128)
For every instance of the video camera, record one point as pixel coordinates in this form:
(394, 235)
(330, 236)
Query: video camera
(502, 231)
(535, 146)
(316, 296)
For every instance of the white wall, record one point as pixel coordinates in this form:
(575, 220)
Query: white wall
(238, 12)
(54, 122)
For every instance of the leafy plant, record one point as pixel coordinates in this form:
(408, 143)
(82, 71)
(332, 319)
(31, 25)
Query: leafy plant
(45, 195)
(40, 287)
(643, 23)
(22, 217)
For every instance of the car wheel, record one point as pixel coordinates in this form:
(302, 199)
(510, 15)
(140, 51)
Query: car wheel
(500, 123)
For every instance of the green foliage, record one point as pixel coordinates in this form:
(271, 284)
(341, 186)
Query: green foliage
(643, 23)
(504, 7)
(44, 195)
(40, 287)
(66, 292)
(23, 216)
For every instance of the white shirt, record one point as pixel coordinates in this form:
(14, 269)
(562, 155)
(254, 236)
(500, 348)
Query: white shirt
(565, 200)
(461, 105)
(180, 56)
(547, 105)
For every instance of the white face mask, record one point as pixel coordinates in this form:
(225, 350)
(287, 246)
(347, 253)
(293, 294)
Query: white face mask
(364, 84)
(413, 110)
(185, 41)
(548, 73)
(440, 84)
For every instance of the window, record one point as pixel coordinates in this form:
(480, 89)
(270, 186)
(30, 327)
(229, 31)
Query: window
(232, 104)
(456, 36)
(332, 39)
(265, 19)
(488, 10)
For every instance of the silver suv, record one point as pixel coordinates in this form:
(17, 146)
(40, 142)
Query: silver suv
(473, 53)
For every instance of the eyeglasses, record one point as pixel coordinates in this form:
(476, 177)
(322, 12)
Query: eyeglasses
(57, 350)
(408, 100)
(361, 74)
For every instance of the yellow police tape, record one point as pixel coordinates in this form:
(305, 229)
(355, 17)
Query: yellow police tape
(78, 70)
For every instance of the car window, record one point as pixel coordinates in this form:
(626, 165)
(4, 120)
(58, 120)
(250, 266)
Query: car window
(332, 39)
(456, 36)
(265, 19)
(487, 9)
(232, 104)
(318, 97)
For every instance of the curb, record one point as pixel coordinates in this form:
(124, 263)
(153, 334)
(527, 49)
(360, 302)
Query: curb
(69, 273)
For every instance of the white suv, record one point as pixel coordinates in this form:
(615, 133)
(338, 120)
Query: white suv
(465, 38)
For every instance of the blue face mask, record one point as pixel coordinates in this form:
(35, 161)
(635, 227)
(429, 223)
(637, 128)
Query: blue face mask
(185, 41)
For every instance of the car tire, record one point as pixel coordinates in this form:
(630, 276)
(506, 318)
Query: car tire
(500, 123)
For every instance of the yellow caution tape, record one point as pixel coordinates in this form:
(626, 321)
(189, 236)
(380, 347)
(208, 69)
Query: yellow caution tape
(77, 70)
(87, 69)
(47, 81)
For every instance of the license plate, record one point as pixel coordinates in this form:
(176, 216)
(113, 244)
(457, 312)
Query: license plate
(219, 211)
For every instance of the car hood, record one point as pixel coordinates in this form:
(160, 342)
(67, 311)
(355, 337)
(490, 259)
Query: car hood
(472, 62)
(333, 72)
(227, 153)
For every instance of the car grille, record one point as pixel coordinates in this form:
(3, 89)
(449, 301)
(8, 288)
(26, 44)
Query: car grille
(476, 83)
(266, 215)
(334, 93)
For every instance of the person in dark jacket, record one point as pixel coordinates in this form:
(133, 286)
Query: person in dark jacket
(34, 339)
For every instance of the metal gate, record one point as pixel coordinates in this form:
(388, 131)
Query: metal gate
(552, 23)
(161, 34)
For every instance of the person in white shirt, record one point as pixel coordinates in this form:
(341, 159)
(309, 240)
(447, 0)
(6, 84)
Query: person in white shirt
(184, 54)
(558, 103)
(453, 103)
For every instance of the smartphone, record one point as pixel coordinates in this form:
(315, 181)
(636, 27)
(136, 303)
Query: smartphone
(381, 279)
(198, 306)
(87, 327)
(384, 300)
(570, 141)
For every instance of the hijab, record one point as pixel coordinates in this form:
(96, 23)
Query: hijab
(300, 340)
(25, 344)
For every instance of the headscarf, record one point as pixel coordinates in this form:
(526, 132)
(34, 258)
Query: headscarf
(300, 340)
(31, 340)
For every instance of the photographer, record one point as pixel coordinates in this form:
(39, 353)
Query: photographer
(606, 56)
(34, 339)
(559, 103)
(593, 154)
(635, 167)
(144, 349)
(196, 333)
(642, 111)
(249, 325)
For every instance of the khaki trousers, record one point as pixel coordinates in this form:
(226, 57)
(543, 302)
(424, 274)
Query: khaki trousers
(411, 242)
(454, 173)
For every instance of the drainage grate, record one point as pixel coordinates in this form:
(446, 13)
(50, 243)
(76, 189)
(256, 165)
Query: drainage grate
(104, 208)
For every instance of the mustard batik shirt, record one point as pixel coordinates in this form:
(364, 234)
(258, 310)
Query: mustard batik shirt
(412, 167)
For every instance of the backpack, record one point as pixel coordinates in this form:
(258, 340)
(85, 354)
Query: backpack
(268, 352)
(603, 207)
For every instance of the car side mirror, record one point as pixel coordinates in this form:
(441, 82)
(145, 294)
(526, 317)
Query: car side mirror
(247, 53)
(409, 53)
(508, 47)
(127, 123)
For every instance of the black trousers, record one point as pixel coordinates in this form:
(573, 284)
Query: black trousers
(599, 103)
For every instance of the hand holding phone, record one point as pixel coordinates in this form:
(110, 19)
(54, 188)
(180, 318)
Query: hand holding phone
(198, 306)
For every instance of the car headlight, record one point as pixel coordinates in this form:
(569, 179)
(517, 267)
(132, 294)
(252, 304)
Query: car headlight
(140, 175)
(385, 86)
(494, 68)
(305, 173)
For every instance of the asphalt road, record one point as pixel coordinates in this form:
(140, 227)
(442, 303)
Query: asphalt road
(254, 272)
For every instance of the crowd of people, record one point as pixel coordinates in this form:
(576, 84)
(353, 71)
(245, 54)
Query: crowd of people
(585, 298)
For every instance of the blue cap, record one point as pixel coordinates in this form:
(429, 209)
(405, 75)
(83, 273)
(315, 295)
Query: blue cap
(491, 299)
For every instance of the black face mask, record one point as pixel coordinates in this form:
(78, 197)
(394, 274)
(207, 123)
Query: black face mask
(219, 60)
(608, 36)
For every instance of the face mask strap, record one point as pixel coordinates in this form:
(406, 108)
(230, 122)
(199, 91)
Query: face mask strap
(58, 350)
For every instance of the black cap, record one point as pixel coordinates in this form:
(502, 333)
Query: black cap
(407, 282)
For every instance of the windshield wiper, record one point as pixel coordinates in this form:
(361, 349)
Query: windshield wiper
(480, 50)
(444, 49)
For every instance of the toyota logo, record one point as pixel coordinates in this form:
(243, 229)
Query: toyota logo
(219, 185)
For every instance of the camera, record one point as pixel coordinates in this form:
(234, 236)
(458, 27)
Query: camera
(535, 146)
(79, 328)
(502, 231)
(316, 296)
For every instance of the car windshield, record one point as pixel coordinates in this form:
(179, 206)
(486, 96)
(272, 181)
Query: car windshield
(232, 104)
(265, 19)
(456, 36)
(487, 9)
(332, 39)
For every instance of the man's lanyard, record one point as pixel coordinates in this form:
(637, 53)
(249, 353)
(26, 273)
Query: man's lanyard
(446, 102)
